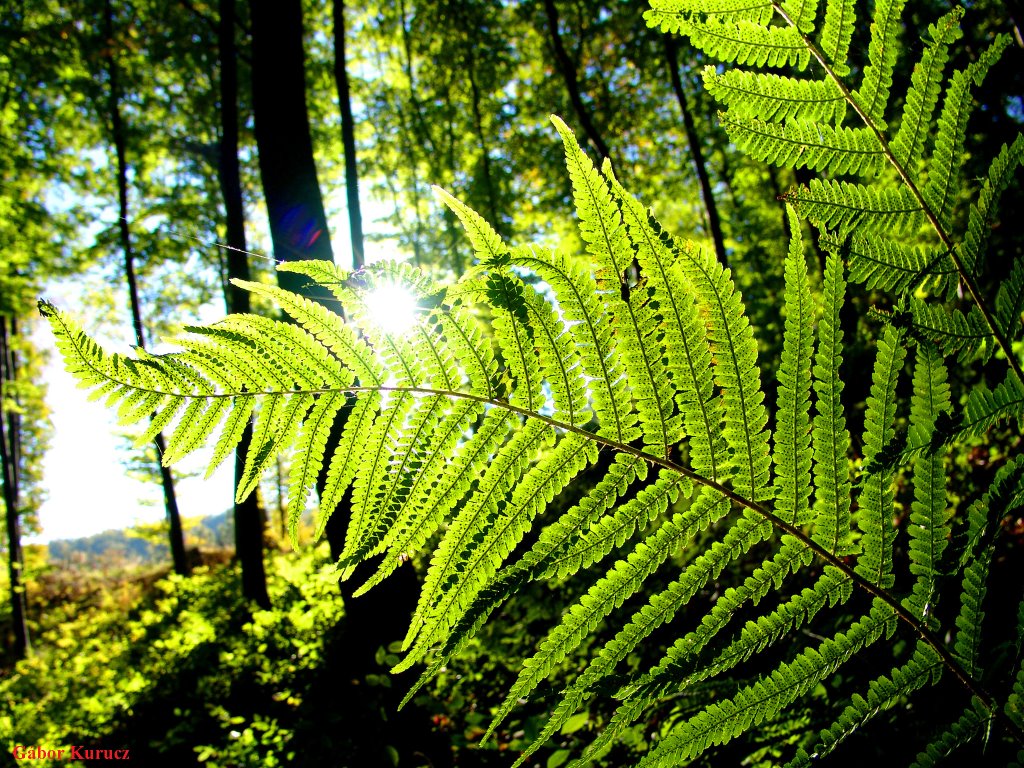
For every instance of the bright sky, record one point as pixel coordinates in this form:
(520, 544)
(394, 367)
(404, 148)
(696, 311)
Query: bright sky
(88, 490)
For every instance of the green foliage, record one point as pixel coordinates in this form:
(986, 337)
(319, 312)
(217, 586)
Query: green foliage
(458, 440)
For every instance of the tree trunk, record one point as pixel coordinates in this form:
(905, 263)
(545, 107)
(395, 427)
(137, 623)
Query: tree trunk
(298, 225)
(693, 139)
(248, 515)
(10, 450)
(348, 137)
(485, 155)
(177, 539)
(568, 71)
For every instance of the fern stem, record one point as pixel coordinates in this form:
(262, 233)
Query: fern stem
(947, 241)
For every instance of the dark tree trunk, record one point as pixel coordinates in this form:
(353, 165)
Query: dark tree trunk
(485, 156)
(693, 140)
(348, 137)
(568, 71)
(248, 515)
(120, 147)
(298, 225)
(10, 457)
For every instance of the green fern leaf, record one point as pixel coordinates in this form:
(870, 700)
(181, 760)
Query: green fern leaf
(578, 298)
(741, 42)
(970, 724)
(806, 144)
(925, 85)
(947, 158)
(883, 49)
(659, 609)
(844, 207)
(433, 503)
(890, 265)
(449, 561)
(1001, 174)
(776, 98)
(722, 721)
(830, 438)
(733, 345)
(669, 14)
(876, 500)
(620, 581)
(1010, 301)
(793, 431)
(929, 516)
(837, 33)
(967, 336)
(1004, 496)
(883, 693)
(801, 13)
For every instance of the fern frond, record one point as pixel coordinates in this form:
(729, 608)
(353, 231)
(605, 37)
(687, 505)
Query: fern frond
(873, 94)
(830, 438)
(925, 85)
(887, 264)
(433, 503)
(578, 298)
(659, 609)
(620, 581)
(503, 529)
(985, 408)
(1004, 496)
(806, 144)
(733, 345)
(742, 42)
(1010, 301)
(929, 516)
(680, 668)
(876, 500)
(503, 472)
(274, 431)
(836, 34)
(966, 336)
(345, 459)
(947, 158)
(792, 454)
(972, 722)
(844, 207)
(686, 350)
(883, 693)
(615, 529)
(774, 97)
(721, 722)
(668, 14)
(1001, 174)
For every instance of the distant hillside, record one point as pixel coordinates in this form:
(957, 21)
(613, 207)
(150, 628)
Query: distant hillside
(140, 545)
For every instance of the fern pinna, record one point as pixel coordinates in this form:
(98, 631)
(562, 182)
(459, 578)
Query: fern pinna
(459, 433)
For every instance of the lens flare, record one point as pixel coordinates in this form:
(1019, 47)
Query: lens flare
(391, 308)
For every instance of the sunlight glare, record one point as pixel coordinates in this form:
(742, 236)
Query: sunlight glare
(391, 308)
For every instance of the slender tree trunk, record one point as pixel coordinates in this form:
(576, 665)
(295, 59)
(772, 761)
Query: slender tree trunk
(10, 456)
(693, 139)
(120, 147)
(485, 156)
(248, 515)
(348, 137)
(568, 71)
